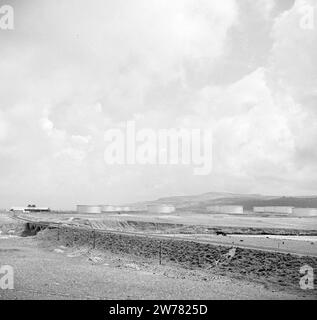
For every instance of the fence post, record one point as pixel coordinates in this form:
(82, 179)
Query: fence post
(94, 243)
(58, 233)
(160, 252)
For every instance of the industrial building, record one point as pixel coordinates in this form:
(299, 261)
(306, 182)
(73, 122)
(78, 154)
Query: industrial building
(29, 209)
(227, 209)
(274, 210)
(304, 212)
(160, 208)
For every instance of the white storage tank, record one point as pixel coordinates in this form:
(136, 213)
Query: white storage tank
(160, 208)
(228, 209)
(88, 209)
(110, 208)
(114, 209)
(107, 208)
(274, 210)
(305, 212)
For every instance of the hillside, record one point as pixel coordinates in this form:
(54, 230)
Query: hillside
(223, 198)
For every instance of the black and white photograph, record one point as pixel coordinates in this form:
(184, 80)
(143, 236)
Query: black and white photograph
(162, 151)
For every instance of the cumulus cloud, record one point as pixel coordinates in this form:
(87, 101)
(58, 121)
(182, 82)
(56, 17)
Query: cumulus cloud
(71, 70)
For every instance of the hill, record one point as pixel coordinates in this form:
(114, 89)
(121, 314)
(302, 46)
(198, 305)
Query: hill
(201, 201)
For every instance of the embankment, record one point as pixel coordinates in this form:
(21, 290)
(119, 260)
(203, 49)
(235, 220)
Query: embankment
(10, 226)
(269, 268)
(161, 227)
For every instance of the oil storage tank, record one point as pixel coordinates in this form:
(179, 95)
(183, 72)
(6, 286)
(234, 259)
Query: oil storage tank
(305, 212)
(84, 209)
(110, 209)
(107, 208)
(117, 209)
(160, 208)
(259, 209)
(228, 209)
(128, 209)
(274, 210)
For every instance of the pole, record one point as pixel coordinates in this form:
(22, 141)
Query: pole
(160, 252)
(94, 244)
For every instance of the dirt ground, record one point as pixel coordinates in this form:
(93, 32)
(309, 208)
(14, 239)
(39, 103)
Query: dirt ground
(296, 245)
(192, 219)
(279, 271)
(44, 271)
(48, 269)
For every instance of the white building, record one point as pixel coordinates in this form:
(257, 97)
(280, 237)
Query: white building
(29, 209)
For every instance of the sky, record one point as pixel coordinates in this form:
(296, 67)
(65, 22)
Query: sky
(71, 70)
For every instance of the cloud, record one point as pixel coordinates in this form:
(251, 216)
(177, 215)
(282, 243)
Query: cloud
(71, 70)
(292, 59)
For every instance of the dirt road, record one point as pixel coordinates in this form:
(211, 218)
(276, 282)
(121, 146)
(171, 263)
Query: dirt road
(52, 273)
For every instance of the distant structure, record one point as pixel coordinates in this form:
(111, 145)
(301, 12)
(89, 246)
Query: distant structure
(88, 209)
(117, 209)
(109, 208)
(304, 212)
(228, 209)
(29, 209)
(167, 209)
(95, 209)
(160, 208)
(274, 210)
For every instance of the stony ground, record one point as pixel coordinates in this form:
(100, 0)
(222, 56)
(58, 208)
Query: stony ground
(278, 271)
(46, 271)
(50, 268)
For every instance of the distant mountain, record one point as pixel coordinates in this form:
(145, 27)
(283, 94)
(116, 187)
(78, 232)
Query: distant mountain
(201, 201)
(299, 202)
(212, 196)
